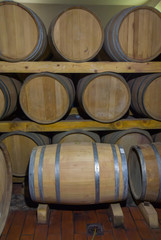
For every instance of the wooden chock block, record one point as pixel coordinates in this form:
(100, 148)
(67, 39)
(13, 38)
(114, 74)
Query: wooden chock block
(117, 215)
(150, 214)
(43, 213)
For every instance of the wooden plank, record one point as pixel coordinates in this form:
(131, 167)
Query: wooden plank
(144, 230)
(85, 67)
(104, 220)
(17, 225)
(80, 222)
(133, 234)
(8, 223)
(67, 225)
(28, 126)
(80, 237)
(119, 234)
(30, 223)
(117, 215)
(150, 214)
(136, 214)
(43, 213)
(54, 231)
(27, 237)
(41, 232)
(128, 220)
(108, 236)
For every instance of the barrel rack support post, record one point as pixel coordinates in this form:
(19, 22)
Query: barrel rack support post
(43, 213)
(150, 214)
(117, 215)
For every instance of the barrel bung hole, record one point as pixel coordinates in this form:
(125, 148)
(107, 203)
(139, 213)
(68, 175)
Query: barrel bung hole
(135, 174)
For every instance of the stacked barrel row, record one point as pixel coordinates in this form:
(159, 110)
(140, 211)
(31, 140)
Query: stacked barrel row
(105, 97)
(77, 35)
(17, 141)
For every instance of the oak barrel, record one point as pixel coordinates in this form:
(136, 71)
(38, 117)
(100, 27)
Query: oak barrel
(19, 145)
(9, 91)
(144, 166)
(128, 138)
(76, 35)
(22, 34)
(105, 97)
(157, 137)
(5, 185)
(134, 35)
(146, 95)
(75, 136)
(78, 173)
(46, 97)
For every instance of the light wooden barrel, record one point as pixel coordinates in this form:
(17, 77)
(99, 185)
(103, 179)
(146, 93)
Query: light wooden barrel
(128, 138)
(78, 173)
(46, 97)
(23, 35)
(19, 145)
(157, 137)
(5, 185)
(146, 95)
(9, 91)
(134, 35)
(144, 166)
(76, 136)
(76, 35)
(105, 97)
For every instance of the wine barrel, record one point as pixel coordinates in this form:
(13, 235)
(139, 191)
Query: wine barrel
(9, 91)
(128, 138)
(19, 145)
(5, 185)
(105, 97)
(78, 173)
(145, 95)
(134, 35)
(46, 97)
(157, 137)
(23, 35)
(76, 136)
(144, 165)
(76, 35)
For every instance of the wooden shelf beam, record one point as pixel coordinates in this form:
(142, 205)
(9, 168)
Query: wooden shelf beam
(85, 67)
(67, 125)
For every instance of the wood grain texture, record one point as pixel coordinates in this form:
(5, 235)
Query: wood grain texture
(69, 35)
(150, 214)
(87, 125)
(5, 185)
(145, 95)
(148, 156)
(76, 136)
(104, 97)
(67, 225)
(77, 174)
(9, 91)
(20, 28)
(128, 138)
(133, 34)
(8, 223)
(87, 67)
(157, 137)
(16, 143)
(30, 223)
(46, 97)
(144, 230)
(41, 232)
(16, 228)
